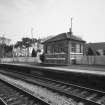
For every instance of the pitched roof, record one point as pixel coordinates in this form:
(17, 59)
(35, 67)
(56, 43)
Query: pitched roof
(64, 36)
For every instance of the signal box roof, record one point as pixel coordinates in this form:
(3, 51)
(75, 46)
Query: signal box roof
(64, 36)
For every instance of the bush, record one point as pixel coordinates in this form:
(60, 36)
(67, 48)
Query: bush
(42, 57)
(34, 53)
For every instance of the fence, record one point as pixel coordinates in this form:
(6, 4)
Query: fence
(92, 60)
(20, 60)
(89, 60)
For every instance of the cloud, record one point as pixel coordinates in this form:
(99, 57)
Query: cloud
(51, 16)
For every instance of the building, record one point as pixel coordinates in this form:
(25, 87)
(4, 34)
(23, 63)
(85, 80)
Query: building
(27, 52)
(95, 49)
(64, 48)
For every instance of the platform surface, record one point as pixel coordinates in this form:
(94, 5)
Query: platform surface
(88, 69)
(80, 67)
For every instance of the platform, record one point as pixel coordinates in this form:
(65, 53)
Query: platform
(89, 69)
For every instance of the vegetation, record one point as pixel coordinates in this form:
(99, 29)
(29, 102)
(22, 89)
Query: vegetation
(25, 43)
(103, 52)
(6, 50)
(34, 53)
(89, 52)
(42, 57)
(19, 44)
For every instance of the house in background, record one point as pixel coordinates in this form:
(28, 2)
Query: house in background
(95, 49)
(64, 48)
(27, 51)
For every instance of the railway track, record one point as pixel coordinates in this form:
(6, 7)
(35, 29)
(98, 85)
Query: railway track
(82, 95)
(2, 102)
(10, 95)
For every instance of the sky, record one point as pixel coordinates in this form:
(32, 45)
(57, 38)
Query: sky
(52, 17)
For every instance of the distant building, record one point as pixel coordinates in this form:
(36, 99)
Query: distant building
(64, 48)
(20, 52)
(95, 49)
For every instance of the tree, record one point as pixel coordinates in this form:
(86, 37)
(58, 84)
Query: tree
(6, 50)
(2, 50)
(19, 44)
(3, 43)
(103, 52)
(97, 53)
(34, 53)
(26, 42)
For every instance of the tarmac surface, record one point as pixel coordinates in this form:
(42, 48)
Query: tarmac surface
(86, 67)
(74, 67)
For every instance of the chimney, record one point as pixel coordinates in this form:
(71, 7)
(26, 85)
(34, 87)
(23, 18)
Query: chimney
(70, 31)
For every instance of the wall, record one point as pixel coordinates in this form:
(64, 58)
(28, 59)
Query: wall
(55, 55)
(75, 52)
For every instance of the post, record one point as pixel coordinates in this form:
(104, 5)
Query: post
(68, 56)
(13, 53)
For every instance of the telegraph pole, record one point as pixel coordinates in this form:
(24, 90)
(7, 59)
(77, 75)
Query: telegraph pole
(32, 34)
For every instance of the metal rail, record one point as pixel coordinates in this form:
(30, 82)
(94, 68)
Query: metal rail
(2, 102)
